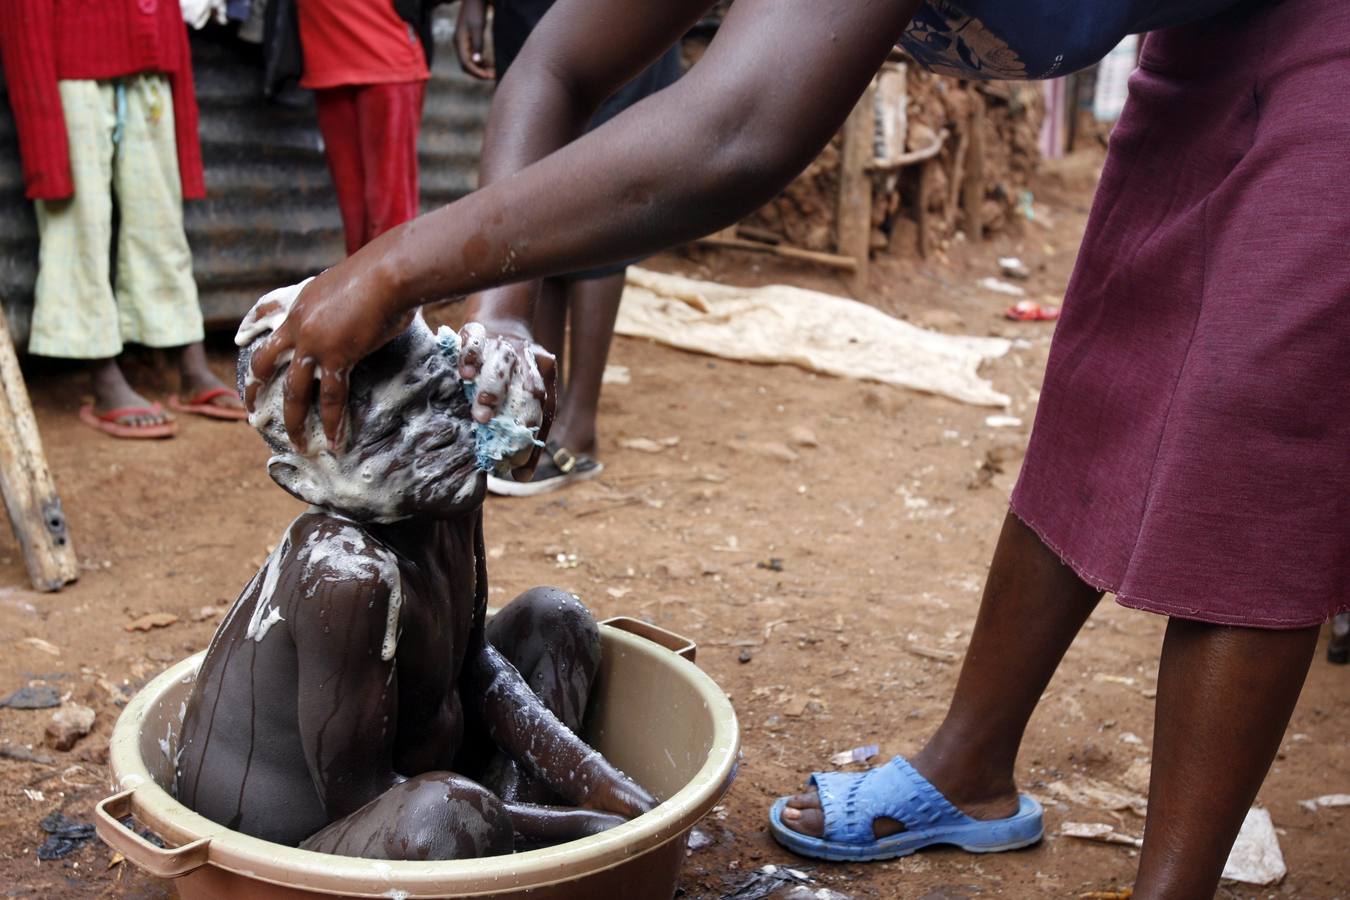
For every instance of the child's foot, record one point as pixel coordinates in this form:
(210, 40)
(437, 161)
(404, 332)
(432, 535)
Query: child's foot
(558, 467)
(120, 411)
(203, 392)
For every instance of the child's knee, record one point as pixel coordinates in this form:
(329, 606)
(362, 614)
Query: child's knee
(446, 816)
(552, 611)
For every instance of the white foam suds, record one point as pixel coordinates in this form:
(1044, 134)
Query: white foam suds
(346, 555)
(264, 615)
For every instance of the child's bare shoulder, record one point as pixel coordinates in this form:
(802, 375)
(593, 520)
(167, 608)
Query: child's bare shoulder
(330, 550)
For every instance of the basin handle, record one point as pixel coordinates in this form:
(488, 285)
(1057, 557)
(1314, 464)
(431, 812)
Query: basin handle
(162, 862)
(676, 643)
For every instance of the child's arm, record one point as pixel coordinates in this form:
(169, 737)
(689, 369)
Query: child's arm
(348, 693)
(523, 728)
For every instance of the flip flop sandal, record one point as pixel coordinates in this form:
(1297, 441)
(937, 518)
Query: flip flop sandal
(108, 424)
(201, 405)
(557, 468)
(852, 801)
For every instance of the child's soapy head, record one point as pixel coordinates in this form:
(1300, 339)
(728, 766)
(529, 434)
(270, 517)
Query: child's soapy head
(411, 444)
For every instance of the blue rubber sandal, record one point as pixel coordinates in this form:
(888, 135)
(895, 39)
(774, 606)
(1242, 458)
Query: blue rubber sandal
(852, 801)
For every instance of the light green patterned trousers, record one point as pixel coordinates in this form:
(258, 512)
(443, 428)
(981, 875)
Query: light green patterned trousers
(121, 137)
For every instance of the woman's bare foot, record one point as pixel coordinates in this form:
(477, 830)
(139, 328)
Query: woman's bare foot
(803, 813)
(197, 378)
(111, 391)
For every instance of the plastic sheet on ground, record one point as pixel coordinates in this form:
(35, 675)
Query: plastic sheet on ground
(816, 331)
(1256, 856)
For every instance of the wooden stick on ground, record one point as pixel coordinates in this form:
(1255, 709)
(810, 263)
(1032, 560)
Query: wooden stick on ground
(30, 496)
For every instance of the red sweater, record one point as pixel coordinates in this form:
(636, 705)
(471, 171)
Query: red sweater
(43, 41)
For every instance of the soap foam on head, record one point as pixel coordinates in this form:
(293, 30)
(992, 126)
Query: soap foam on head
(412, 446)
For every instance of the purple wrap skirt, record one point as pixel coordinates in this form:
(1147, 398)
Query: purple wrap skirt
(1191, 451)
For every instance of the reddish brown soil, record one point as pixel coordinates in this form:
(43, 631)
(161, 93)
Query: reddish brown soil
(884, 532)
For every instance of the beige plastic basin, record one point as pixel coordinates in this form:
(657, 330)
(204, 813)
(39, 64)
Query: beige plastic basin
(654, 714)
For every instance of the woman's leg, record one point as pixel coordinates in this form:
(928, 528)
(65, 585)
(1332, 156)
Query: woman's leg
(593, 306)
(1033, 607)
(1224, 698)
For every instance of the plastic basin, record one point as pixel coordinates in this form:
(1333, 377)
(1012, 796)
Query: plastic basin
(653, 713)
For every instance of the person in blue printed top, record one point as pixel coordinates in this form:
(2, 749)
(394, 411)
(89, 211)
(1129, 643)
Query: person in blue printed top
(1189, 453)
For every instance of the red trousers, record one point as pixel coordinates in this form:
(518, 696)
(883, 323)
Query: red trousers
(370, 136)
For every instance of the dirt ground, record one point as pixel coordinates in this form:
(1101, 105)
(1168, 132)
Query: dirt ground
(831, 595)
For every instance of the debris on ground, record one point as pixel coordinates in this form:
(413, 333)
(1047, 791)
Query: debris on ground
(801, 436)
(68, 724)
(763, 882)
(1256, 857)
(1122, 894)
(1326, 801)
(38, 643)
(1003, 421)
(773, 564)
(856, 755)
(150, 621)
(33, 696)
(999, 286)
(63, 836)
(1012, 267)
(805, 893)
(698, 839)
(1031, 311)
(1100, 832)
(647, 445)
(616, 375)
(19, 754)
(1079, 790)
(210, 611)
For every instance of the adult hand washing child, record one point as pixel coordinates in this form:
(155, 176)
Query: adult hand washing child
(1189, 449)
(355, 700)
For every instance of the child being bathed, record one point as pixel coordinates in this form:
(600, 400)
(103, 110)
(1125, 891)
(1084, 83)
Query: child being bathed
(354, 700)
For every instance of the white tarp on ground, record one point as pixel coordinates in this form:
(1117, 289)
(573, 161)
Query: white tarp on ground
(816, 331)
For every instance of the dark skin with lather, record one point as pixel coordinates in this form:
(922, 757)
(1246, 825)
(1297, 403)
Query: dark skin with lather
(356, 701)
(773, 87)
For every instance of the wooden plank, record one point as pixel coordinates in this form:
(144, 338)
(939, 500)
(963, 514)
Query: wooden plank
(972, 189)
(30, 496)
(854, 219)
(784, 250)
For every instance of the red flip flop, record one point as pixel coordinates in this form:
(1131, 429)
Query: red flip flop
(108, 424)
(1031, 311)
(201, 405)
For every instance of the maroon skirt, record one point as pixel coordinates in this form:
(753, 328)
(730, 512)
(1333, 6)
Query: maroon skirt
(1192, 446)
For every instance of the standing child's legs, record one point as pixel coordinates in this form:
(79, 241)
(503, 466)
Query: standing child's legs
(1224, 698)
(75, 315)
(156, 293)
(341, 129)
(593, 307)
(390, 118)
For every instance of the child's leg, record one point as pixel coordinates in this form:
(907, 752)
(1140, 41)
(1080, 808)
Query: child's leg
(156, 294)
(341, 130)
(552, 640)
(593, 307)
(433, 816)
(389, 118)
(1224, 698)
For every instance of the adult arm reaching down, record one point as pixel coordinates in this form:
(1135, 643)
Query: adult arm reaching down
(776, 83)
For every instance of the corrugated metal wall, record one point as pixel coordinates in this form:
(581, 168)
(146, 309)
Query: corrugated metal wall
(270, 217)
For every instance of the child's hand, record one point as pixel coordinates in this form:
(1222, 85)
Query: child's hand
(469, 39)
